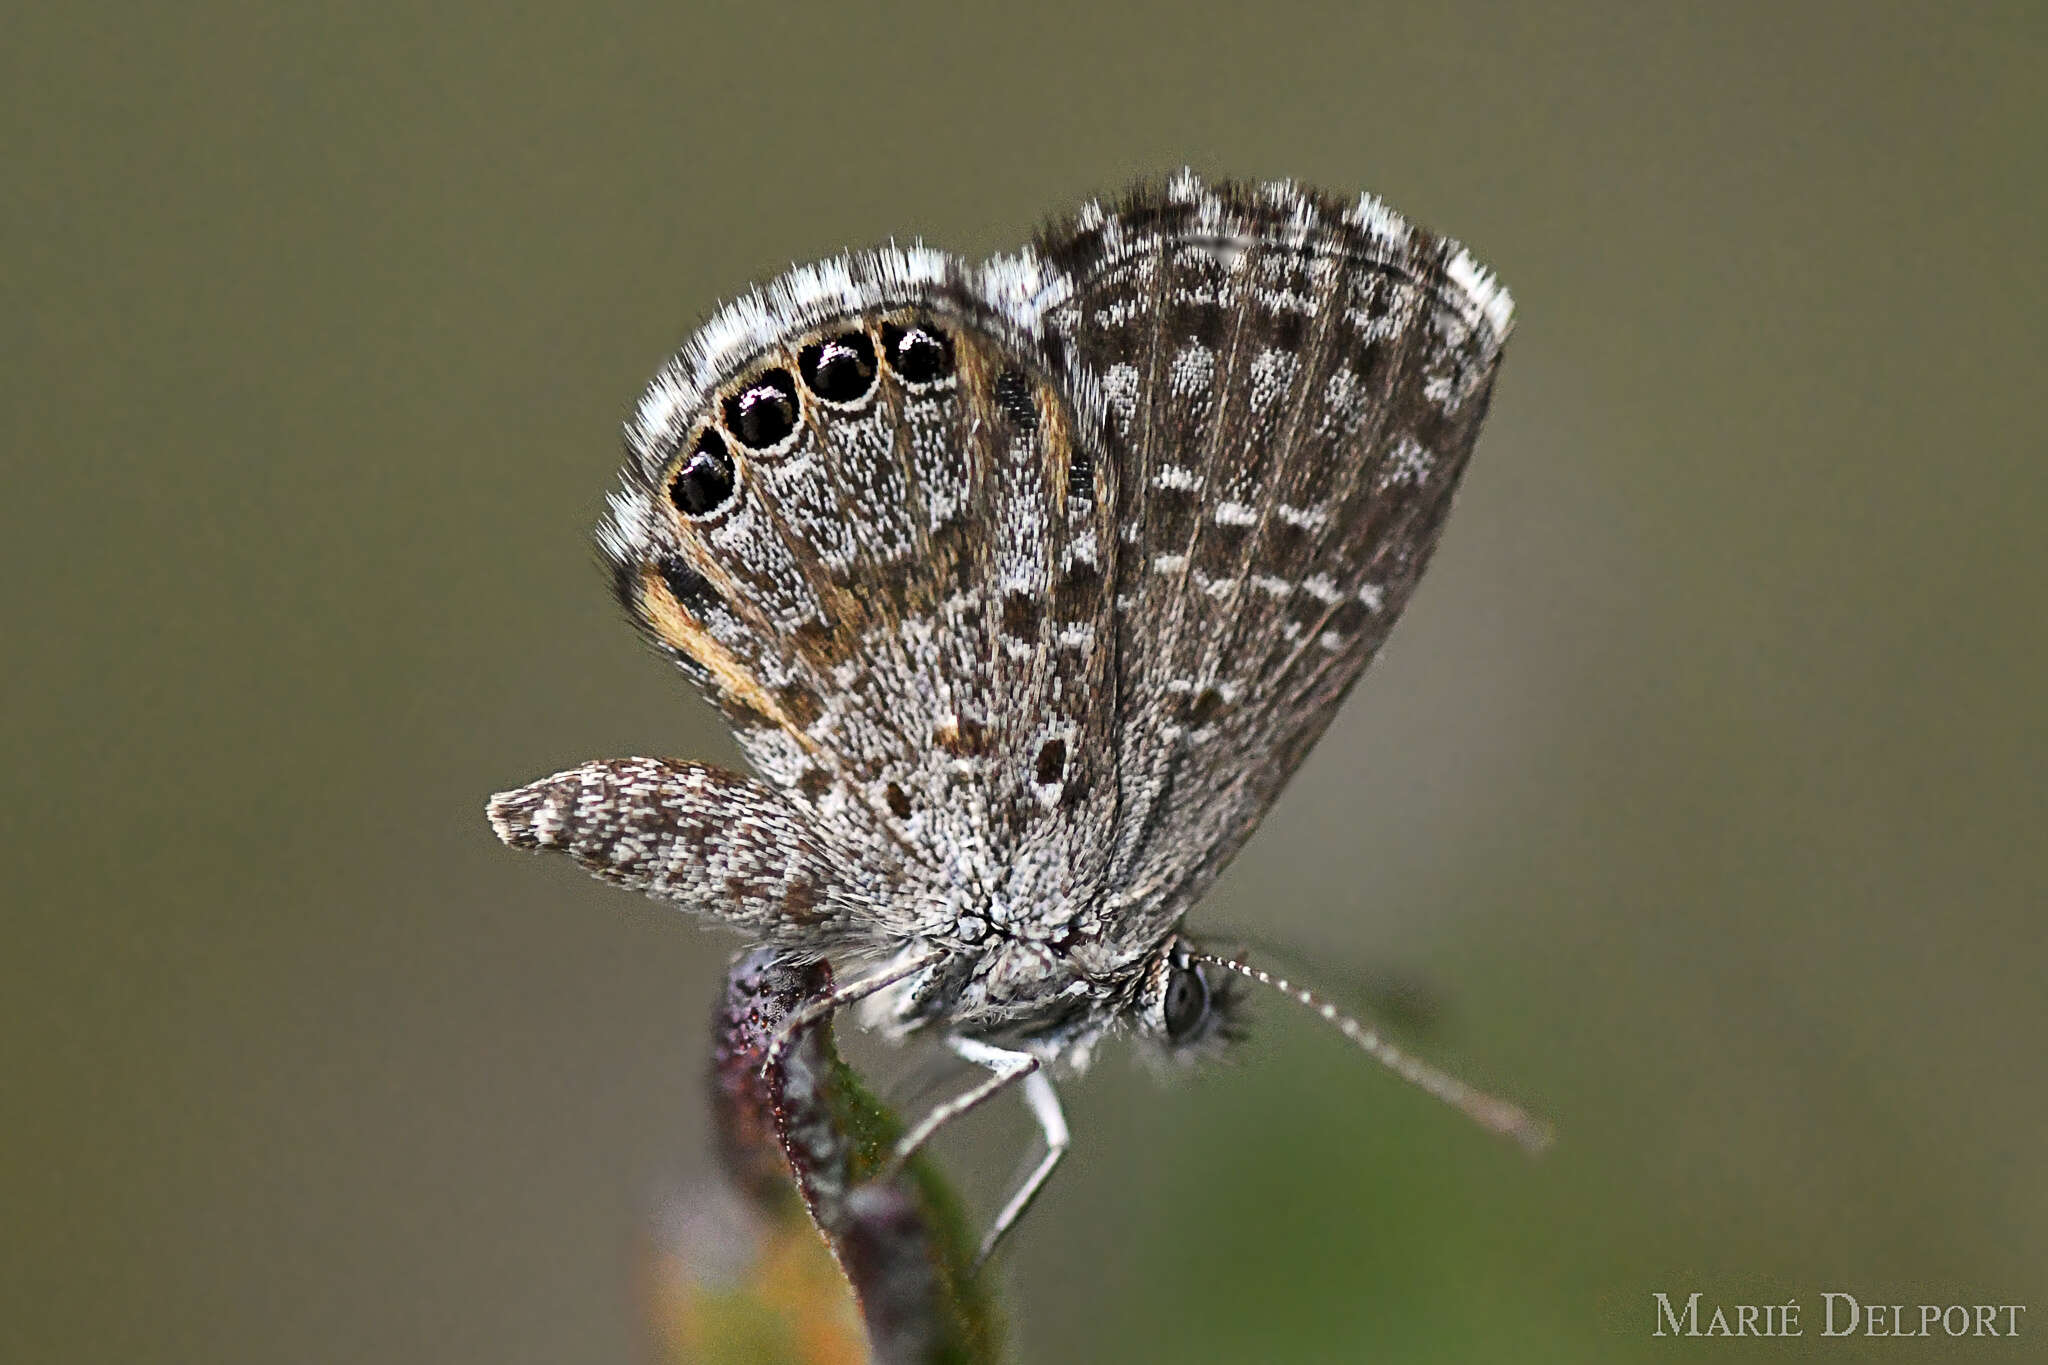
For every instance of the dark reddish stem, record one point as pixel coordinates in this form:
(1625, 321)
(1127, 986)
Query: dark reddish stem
(807, 1125)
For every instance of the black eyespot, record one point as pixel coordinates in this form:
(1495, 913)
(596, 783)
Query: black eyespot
(763, 413)
(840, 370)
(1080, 474)
(1052, 762)
(1186, 1007)
(704, 481)
(919, 353)
(898, 799)
(692, 590)
(1015, 400)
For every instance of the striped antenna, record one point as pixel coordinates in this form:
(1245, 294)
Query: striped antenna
(1488, 1111)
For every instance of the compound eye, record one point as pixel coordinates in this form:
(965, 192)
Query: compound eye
(1186, 1007)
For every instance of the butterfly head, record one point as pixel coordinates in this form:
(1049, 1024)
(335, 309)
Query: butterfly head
(1188, 1007)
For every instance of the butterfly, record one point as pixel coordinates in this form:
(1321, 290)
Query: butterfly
(1025, 587)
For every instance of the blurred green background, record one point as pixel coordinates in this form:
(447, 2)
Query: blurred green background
(1704, 780)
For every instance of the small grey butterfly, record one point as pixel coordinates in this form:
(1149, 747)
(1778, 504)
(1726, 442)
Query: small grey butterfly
(1026, 586)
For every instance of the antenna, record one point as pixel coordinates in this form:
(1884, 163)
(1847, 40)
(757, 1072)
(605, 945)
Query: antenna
(1488, 1111)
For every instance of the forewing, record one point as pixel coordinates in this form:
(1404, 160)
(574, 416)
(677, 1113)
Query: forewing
(1289, 389)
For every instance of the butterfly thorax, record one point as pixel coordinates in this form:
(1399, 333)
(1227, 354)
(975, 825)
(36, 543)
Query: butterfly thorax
(1018, 949)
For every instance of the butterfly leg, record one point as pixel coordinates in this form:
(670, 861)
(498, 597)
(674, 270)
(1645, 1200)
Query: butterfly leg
(848, 994)
(1005, 1068)
(1045, 1107)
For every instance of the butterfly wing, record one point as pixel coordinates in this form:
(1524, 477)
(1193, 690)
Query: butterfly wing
(714, 840)
(1289, 389)
(857, 514)
(1031, 584)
